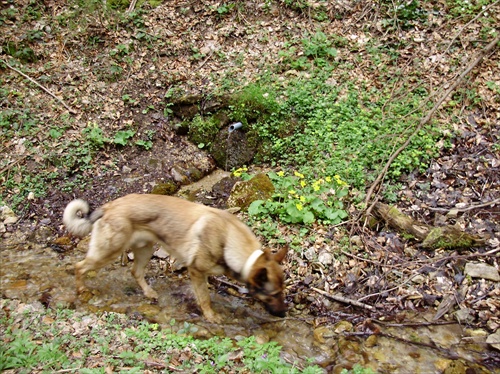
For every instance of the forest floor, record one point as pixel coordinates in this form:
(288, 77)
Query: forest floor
(105, 76)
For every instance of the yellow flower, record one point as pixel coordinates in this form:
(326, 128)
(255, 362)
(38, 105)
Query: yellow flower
(299, 206)
(280, 173)
(302, 198)
(303, 183)
(292, 192)
(238, 172)
(328, 179)
(316, 187)
(297, 174)
(339, 181)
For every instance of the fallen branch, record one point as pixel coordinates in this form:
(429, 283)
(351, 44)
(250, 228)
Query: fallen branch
(426, 119)
(344, 300)
(449, 237)
(39, 85)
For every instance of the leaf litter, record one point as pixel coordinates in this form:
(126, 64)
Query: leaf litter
(198, 48)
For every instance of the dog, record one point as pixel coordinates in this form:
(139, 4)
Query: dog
(208, 241)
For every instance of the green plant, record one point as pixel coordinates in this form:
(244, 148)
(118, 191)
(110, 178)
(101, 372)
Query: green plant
(122, 137)
(319, 47)
(358, 369)
(402, 14)
(225, 8)
(129, 100)
(298, 200)
(20, 51)
(94, 135)
(466, 8)
(203, 130)
(146, 144)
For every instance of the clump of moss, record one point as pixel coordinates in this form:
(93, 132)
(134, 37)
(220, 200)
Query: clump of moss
(167, 188)
(244, 193)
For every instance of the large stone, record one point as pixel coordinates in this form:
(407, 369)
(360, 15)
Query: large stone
(244, 193)
(233, 150)
(481, 270)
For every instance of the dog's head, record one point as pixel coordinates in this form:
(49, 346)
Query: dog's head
(266, 283)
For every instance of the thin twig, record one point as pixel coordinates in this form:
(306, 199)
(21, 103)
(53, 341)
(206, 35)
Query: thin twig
(466, 209)
(390, 289)
(414, 324)
(344, 299)
(468, 23)
(427, 118)
(131, 6)
(12, 164)
(72, 111)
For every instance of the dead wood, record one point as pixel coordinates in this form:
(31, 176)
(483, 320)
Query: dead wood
(449, 236)
(72, 111)
(344, 300)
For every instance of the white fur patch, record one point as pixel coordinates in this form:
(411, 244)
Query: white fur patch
(245, 272)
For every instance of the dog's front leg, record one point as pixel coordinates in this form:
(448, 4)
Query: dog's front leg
(142, 255)
(200, 288)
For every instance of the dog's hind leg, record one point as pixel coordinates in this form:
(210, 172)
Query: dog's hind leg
(105, 247)
(142, 255)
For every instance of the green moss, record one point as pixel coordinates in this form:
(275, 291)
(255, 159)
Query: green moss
(244, 193)
(168, 188)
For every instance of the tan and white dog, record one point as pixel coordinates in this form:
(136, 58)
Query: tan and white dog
(208, 241)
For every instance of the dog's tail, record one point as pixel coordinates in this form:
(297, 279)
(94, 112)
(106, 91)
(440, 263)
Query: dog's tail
(77, 217)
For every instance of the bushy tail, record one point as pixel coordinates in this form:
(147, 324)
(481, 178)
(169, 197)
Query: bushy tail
(76, 218)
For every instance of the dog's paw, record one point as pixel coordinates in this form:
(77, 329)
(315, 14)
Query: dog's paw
(151, 294)
(212, 317)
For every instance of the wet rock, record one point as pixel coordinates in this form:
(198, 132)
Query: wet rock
(233, 150)
(465, 315)
(494, 340)
(371, 341)
(149, 311)
(244, 193)
(323, 333)
(7, 216)
(481, 270)
(342, 326)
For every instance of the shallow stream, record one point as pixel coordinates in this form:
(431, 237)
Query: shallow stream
(33, 272)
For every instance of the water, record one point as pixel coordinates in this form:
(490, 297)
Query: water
(32, 272)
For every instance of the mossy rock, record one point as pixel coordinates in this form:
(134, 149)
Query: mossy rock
(244, 193)
(234, 150)
(167, 188)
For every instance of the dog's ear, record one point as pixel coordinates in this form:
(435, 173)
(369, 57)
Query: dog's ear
(258, 278)
(280, 255)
